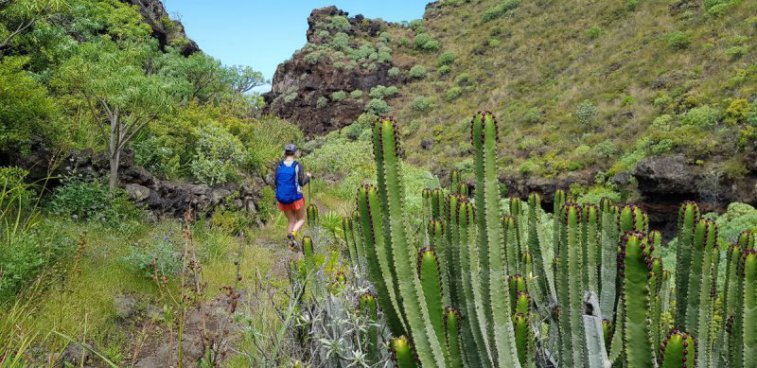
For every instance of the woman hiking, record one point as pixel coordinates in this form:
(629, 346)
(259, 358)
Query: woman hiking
(290, 178)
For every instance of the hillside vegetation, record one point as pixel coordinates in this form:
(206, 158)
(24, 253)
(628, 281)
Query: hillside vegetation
(583, 89)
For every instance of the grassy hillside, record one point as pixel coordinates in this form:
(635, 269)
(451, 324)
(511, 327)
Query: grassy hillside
(581, 87)
(581, 84)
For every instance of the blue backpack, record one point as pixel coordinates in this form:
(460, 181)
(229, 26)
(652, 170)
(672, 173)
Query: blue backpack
(287, 186)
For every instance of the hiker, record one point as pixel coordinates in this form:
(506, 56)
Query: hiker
(290, 178)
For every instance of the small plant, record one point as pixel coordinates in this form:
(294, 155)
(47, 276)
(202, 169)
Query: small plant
(499, 10)
(446, 58)
(377, 107)
(422, 103)
(453, 93)
(423, 41)
(702, 117)
(586, 114)
(91, 201)
(356, 94)
(678, 40)
(418, 72)
(594, 32)
(338, 96)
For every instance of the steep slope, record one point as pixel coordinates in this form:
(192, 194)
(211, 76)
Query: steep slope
(656, 97)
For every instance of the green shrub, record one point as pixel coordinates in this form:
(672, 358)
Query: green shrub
(418, 72)
(338, 96)
(702, 117)
(218, 156)
(499, 10)
(464, 79)
(416, 25)
(738, 111)
(678, 40)
(356, 94)
(444, 70)
(377, 107)
(533, 116)
(529, 166)
(339, 23)
(341, 42)
(322, 102)
(632, 5)
(738, 217)
(289, 98)
(586, 114)
(662, 122)
(160, 256)
(422, 103)
(736, 52)
(594, 32)
(91, 201)
(381, 92)
(453, 93)
(604, 150)
(394, 72)
(423, 41)
(446, 58)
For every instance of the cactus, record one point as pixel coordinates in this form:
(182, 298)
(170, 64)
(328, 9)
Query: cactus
(312, 215)
(591, 250)
(452, 337)
(429, 274)
(402, 352)
(610, 234)
(570, 287)
(688, 217)
(677, 350)
(634, 265)
(309, 253)
(386, 148)
(437, 238)
(749, 323)
(379, 260)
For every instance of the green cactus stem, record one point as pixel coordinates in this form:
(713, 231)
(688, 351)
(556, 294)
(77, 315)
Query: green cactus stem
(511, 252)
(312, 215)
(699, 274)
(749, 325)
(379, 262)
(634, 266)
(425, 340)
(523, 337)
(452, 252)
(452, 337)
(677, 350)
(609, 237)
(517, 284)
(369, 309)
(402, 352)
(591, 248)
(688, 217)
(541, 269)
(429, 275)
(438, 240)
(349, 239)
(309, 252)
(570, 288)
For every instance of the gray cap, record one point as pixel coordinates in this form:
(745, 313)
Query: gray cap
(290, 148)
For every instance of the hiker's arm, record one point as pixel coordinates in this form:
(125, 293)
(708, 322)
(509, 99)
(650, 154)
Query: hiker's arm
(302, 177)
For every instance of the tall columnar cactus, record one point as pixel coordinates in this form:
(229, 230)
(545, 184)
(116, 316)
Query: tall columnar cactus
(473, 339)
(634, 265)
(688, 217)
(438, 240)
(429, 274)
(511, 253)
(452, 337)
(371, 337)
(656, 283)
(749, 324)
(402, 352)
(496, 322)
(452, 251)
(570, 287)
(309, 253)
(312, 215)
(542, 271)
(699, 308)
(609, 237)
(379, 260)
(392, 193)
(591, 249)
(349, 238)
(677, 350)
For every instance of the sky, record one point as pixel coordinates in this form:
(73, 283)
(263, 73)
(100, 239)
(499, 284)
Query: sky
(262, 34)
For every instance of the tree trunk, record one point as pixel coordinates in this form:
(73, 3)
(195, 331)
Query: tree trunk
(113, 177)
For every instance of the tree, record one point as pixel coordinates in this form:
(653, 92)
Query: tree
(242, 79)
(19, 16)
(118, 93)
(198, 76)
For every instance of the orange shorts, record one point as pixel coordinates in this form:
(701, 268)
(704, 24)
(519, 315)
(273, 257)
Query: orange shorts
(294, 206)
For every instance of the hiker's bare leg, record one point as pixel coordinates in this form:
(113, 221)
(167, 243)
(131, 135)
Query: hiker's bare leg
(292, 219)
(300, 219)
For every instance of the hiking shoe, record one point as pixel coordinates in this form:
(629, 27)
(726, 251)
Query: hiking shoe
(293, 246)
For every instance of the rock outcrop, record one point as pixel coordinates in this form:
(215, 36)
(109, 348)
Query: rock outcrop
(302, 87)
(165, 198)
